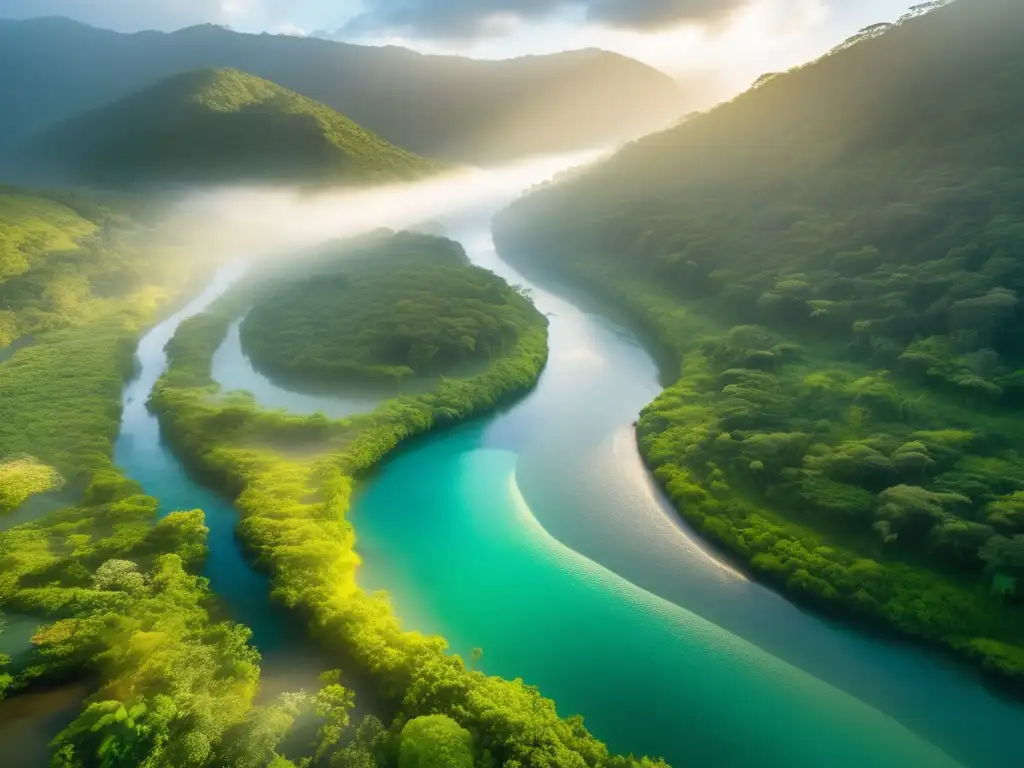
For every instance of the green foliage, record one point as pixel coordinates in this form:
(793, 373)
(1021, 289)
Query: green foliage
(83, 301)
(292, 479)
(127, 611)
(31, 227)
(435, 741)
(21, 478)
(60, 398)
(60, 269)
(215, 125)
(175, 682)
(404, 305)
(332, 704)
(109, 584)
(254, 742)
(841, 287)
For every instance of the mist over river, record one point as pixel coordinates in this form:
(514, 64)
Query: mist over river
(538, 536)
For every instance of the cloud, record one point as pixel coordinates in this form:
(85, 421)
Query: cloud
(291, 30)
(659, 14)
(447, 19)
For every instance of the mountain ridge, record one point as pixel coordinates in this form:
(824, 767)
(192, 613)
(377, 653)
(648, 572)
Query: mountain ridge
(217, 125)
(450, 107)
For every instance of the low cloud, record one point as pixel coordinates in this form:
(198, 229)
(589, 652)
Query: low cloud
(646, 15)
(476, 18)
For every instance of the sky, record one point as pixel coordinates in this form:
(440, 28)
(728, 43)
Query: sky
(731, 40)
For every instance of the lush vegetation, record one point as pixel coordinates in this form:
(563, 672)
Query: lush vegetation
(119, 604)
(24, 477)
(292, 478)
(837, 266)
(396, 306)
(218, 125)
(32, 226)
(74, 275)
(439, 106)
(112, 589)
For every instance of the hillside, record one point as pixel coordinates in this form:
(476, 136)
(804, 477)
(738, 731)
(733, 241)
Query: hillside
(30, 228)
(835, 258)
(77, 279)
(212, 125)
(450, 107)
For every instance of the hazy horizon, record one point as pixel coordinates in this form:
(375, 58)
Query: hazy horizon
(718, 48)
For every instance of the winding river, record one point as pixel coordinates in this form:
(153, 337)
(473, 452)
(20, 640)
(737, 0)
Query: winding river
(538, 536)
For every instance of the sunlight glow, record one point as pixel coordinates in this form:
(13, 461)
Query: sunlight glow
(252, 221)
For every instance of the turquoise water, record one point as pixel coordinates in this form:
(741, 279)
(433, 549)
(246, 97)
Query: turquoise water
(649, 675)
(538, 536)
(141, 453)
(232, 370)
(289, 659)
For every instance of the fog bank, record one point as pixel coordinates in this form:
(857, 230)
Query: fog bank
(255, 222)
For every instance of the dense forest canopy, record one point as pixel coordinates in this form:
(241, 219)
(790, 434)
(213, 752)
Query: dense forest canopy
(855, 434)
(442, 106)
(402, 305)
(113, 593)
(77, 280)
(216, 125)
(65, 258)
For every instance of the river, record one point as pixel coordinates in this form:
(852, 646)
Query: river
(538, 536)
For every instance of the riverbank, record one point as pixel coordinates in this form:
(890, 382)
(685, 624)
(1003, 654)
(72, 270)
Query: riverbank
(90, 565)
(456, 544)
(292, 478)
(817, 568)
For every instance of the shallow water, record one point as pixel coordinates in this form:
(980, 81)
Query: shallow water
(38, 506)
(232, 370)
(144, 457)
(16, 631)
(29, 721)
(538, 536)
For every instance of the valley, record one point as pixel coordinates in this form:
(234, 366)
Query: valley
(341, 429)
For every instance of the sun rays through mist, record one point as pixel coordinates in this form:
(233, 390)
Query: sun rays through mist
(254, 222)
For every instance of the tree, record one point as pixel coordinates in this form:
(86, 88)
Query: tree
(912, 511)
(253, 743)
(119, 576)
(435, 741)
(333, 704)
(912, 459)
(1007, 513)
(959, 540)
(1004, 555)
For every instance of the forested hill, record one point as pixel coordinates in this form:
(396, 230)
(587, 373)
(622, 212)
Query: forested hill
(872, 193)
(218, 125)
(444, 106)
(385, 309)
(837, 257)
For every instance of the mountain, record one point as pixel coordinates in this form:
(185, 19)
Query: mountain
(217, 124)
(836, 260)
(443, 106)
